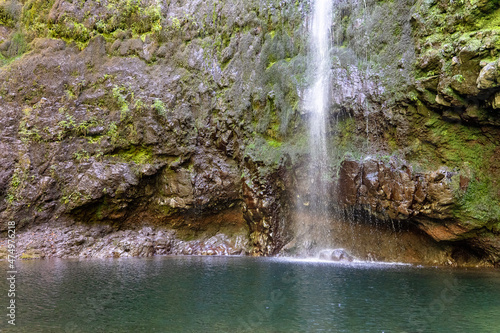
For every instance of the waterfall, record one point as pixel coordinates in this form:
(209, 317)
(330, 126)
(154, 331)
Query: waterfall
(317, 97)
(313, 233)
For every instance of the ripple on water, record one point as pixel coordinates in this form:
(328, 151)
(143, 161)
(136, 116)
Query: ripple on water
(242, 294)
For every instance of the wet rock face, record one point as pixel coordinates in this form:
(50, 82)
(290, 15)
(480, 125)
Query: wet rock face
(103, 241)
(185, 116)
(459, 73)
(140, 116)
(433, 104)
(266, 212)
(394, 191)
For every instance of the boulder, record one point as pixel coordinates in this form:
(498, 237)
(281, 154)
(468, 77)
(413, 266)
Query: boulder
(335, 255)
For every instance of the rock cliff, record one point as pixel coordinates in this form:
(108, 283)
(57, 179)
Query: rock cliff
(176, 127)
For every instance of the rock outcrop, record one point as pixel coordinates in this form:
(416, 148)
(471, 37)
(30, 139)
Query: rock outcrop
(153, 127)
(392, 191)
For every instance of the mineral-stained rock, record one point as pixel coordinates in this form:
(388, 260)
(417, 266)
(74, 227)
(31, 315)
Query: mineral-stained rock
(349, 181)
(393, 191)
(429, 201)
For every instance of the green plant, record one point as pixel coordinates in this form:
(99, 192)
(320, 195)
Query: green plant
(68, 124)
(28, 134)
(83, 127)
(113, 132)
(139, 105)
(81, 155)
(11, 198)
(119, 93)
(15, 181)
(18, 45)
(9, 13)
(159, 106)
(176, 24)
(69, 94)
(73, 196)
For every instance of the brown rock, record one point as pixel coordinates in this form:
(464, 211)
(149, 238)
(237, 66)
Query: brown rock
(488, 76)
(442, 231)
(420, 194)
(464, 183)
(349, 182)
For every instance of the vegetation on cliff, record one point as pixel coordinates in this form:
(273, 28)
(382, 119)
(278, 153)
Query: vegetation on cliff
(125, 111)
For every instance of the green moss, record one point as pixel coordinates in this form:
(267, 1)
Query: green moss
(113, 133)
(267, 150)
(9, 13)
(160, 108)
(128, 15)
(120, 95)
(18, 46)
(137, 154)
(71, 31)
(455, 144)
(467, 151)
(456, 26)
(35, 17)
(72, 197)
(15, 180)
(491, 21)
(480, 202)
(274, 143)
(346, 131)
(29, 254)
(81, 155)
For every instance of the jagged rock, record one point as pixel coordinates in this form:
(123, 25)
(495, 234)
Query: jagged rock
(495, 102)
(393, 191)
(488, 77)
(59, 240)
(349, 181)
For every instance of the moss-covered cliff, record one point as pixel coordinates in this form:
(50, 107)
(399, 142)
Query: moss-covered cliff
(433, 64)
(186, 117)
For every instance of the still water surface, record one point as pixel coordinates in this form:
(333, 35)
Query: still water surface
(240, 294)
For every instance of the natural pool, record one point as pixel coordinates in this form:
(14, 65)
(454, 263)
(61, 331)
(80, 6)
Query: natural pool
(242, 294)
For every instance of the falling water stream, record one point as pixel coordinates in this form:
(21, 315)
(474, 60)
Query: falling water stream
(317, 98)
(314, 234)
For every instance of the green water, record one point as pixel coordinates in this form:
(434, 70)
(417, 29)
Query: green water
(239, 294)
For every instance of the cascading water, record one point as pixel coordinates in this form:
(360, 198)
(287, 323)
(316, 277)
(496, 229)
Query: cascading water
(317, 98)
(334, 216)
(313, 234)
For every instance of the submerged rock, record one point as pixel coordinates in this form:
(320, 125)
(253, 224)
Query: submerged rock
(335, 255)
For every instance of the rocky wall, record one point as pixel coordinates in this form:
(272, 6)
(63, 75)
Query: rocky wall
(133, 113)
(185, 117)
